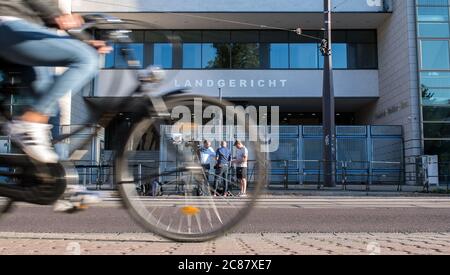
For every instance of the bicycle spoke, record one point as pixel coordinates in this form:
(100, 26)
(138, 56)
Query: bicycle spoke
(178, 198)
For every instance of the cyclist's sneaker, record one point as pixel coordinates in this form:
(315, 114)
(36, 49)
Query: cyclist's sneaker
(76, 198)
(34, 139)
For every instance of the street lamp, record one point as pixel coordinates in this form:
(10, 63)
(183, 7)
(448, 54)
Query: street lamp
(328, 103)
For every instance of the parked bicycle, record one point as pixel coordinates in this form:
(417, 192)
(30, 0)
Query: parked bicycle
(181, 217)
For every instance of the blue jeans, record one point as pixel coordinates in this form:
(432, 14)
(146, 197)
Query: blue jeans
(27, 44)
(221, 175)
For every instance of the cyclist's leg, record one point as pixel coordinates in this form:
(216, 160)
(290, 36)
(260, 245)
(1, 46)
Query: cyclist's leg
(32, 45)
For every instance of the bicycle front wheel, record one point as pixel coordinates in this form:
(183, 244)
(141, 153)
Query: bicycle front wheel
(5, 205)
(187, 202)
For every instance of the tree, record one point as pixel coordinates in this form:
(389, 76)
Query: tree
(236, 55)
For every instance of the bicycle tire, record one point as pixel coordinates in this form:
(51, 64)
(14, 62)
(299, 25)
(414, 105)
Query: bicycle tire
(137, 208)
(5, 205)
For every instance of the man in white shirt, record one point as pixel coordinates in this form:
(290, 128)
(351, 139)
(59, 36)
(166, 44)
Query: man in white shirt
(207, 155)
(241, 162)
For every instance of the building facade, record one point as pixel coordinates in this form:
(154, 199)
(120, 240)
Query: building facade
(391, 60)
(434, 75)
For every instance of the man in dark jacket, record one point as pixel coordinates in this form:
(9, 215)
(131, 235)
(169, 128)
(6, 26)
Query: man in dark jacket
(25, 40)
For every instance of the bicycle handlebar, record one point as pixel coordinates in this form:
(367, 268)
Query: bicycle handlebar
(92, 20)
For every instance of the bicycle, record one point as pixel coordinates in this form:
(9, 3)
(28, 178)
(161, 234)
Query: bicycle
(180, 217)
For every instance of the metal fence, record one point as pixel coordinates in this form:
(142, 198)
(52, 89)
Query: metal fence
(349, 174)
(367, 156)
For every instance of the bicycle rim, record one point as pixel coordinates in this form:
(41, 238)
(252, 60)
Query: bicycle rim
(193, 205)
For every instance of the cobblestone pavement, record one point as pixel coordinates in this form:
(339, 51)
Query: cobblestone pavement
(248, 244)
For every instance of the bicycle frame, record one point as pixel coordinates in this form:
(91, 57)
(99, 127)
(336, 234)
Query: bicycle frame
(149, 106)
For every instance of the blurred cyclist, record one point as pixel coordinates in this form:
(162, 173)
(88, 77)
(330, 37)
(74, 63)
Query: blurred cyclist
(26, 40)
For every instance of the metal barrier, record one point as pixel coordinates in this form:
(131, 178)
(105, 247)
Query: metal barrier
(286, 174)
(310, 172)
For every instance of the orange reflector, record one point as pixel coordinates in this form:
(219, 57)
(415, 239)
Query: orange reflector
(190, 210)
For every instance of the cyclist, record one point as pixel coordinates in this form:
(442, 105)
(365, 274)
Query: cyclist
(25, 40)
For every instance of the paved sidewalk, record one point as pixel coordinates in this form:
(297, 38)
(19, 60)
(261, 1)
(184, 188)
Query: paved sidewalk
(249, 244)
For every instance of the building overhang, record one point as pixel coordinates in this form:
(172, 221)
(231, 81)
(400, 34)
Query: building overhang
(344, 20)
(237, 14)
(230, 6)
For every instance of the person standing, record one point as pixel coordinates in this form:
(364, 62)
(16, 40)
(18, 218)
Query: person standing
(207, 155)
(223, 158)
(241, 162)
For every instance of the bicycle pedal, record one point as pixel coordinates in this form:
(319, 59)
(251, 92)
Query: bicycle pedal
(82, 206)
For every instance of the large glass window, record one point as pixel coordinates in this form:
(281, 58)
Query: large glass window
(435, 55)
(436, 113)
(433, 13)
(279, 56)
(192, 56)
(438, 147)
(433, 30)
(236, 49)
(304, 56)
(340, 57)
(245, 56)
(129, 56)
(436, 130)
(216, 56)
(435, 79)
(362, 56)
(110, 59)
(162, 55)
(435, 96)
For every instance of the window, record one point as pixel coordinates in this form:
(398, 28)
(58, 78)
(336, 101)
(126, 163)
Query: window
(304, 56)
(216, 56)
(250, 49)
(438, 147)
(245, 56)
(436, 130)
(433, 27)
(362, 56)
(162, 55)
(109, 59)
(436, 113)
(435, 96)
(279, 56)
(435, 79)
(339, 56)
(435, 55)
(436, 14)
(435, 30)
(192, 55)
(129, 56)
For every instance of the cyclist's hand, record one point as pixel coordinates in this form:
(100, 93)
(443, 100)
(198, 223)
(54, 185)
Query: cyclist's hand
(100, 45)
(69, 21)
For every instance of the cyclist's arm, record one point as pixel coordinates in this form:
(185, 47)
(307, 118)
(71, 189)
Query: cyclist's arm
(47, 10)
